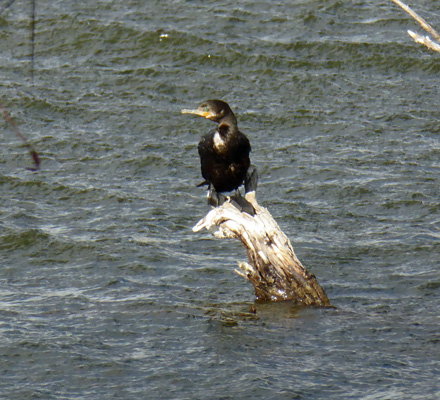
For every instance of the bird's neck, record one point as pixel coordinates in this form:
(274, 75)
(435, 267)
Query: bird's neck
(230, 121)
(224, 136)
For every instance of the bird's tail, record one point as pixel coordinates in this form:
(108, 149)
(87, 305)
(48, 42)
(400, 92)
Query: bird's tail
(203, 184)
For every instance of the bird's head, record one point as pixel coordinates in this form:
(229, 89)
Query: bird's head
(215, 110)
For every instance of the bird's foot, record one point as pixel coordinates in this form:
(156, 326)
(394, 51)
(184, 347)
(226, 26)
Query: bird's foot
(238, 201)
(215, 198)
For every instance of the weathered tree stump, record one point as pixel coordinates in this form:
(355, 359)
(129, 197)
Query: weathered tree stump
(273, 267)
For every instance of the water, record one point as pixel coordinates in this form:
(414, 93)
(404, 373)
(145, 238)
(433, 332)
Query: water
(105, 292)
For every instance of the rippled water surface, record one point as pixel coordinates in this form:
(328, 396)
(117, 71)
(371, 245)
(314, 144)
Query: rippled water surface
(105, 292)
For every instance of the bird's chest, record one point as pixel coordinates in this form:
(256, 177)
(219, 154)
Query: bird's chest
(220, 144)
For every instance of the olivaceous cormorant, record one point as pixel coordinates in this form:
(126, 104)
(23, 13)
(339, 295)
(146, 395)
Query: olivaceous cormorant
(224, 152)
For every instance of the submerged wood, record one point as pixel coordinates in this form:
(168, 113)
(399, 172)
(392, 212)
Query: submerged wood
(273, 267)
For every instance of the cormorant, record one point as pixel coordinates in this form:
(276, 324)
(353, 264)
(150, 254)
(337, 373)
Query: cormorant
(224, 152)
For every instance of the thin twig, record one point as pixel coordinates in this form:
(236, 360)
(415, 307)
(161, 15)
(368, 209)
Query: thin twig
(32, 40)
(422, 22)
(6, 7)
(32, 37)
(425, 40)
(14, 127)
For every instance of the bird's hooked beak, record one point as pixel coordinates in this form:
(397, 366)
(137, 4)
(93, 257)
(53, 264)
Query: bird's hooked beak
(200, 112)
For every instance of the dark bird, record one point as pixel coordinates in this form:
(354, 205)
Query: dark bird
(224, 152)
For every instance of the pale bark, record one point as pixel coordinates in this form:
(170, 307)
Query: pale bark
(273, 267)
(425, 40)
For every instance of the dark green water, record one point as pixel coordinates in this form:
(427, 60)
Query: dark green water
(105, 292)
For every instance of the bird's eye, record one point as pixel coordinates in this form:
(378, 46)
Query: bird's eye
(206, 109)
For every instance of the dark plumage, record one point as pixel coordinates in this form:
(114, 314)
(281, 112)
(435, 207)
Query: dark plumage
(224, 152)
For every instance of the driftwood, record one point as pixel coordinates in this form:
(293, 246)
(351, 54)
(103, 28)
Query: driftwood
(273, 267)
(425, 40)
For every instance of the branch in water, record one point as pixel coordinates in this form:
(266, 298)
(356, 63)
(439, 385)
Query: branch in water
(6, 7)
(428, 28)
(32, 40)
(14, 127)
(425, 40)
